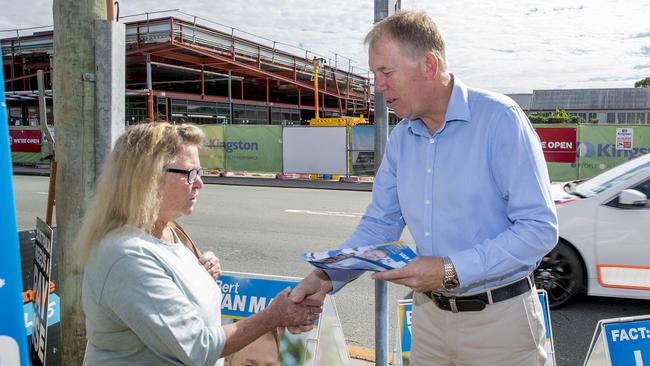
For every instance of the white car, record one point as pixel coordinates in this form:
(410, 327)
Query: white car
(604, 244)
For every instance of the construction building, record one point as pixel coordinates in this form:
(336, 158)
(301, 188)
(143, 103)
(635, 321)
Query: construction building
(202, 72)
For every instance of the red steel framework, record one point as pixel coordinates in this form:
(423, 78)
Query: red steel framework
(265, 75)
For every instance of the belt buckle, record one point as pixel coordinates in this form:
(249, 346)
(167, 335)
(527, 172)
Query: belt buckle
(452, 305)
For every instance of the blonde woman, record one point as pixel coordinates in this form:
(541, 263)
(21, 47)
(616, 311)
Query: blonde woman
(147, 298)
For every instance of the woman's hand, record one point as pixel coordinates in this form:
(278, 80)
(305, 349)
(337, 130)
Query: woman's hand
(211, 264)
(289, 314)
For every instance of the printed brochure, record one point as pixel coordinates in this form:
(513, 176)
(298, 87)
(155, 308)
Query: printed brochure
(375, 258)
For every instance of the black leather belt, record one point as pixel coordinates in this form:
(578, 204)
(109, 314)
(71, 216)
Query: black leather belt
(479, 301)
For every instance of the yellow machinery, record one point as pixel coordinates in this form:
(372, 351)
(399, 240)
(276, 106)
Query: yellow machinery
(338, 121)
(329, 122)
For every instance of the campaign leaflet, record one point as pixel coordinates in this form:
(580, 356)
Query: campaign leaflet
(375, 258)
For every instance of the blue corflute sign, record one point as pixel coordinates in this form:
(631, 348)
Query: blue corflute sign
(13, 341)
(628, 343)
(243, 297)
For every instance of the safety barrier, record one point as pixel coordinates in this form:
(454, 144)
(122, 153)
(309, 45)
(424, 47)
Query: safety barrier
(329, 153)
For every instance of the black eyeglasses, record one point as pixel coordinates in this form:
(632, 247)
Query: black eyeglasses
(190, 174)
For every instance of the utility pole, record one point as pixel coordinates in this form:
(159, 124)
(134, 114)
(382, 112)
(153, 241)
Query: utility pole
(74, 114)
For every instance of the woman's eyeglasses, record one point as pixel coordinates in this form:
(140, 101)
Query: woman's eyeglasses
(189, 174)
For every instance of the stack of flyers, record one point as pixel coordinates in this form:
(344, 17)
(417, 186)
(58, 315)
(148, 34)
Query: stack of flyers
(376, 258)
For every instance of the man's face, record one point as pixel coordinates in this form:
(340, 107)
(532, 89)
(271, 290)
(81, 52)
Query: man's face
(262, 352)
(398, 77)
(375, 254)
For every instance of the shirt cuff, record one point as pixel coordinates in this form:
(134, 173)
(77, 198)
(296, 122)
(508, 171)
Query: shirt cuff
(468, 265)
(341, 277)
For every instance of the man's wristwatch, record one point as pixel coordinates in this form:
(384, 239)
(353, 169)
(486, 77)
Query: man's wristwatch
(450, 280)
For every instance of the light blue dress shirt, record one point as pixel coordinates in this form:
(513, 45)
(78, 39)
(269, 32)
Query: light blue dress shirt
(477, 190)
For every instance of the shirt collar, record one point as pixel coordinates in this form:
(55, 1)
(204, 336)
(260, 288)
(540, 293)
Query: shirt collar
(457, 109)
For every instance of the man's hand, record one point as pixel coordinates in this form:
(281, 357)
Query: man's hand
(310, 291)
(421, 274)
(211, 263)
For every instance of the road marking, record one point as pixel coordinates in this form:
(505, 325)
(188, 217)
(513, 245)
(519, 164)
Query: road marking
(43, 193)
(326, 213)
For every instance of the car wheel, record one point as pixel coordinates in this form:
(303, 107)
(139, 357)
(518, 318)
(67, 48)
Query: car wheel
(561, 274)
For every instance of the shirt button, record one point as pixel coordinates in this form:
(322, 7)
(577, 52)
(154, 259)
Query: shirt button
(428, 202)
(431, 141)
(429, 170)
(427, 233)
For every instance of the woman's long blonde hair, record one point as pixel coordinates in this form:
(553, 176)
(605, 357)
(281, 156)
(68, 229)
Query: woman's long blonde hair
(127, 189)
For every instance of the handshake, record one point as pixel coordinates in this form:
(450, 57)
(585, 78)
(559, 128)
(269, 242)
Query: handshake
(298, 309)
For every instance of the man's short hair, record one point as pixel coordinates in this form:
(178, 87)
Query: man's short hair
(415, 33)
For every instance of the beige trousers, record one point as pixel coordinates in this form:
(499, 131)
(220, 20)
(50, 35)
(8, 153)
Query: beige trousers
(510, 332)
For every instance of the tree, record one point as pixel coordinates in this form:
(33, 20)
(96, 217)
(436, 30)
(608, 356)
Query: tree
(643, 83)
(558, 116)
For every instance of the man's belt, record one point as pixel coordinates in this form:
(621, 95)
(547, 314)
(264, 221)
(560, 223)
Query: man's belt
(479, 301)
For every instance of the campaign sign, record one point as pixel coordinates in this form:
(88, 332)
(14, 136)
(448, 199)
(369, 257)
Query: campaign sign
(53, 315)
(13, 345)
(27, 239)
(558, 144)
(628, 342)
(548, 344)
(245, 296)
(41, 288)
(404, 321)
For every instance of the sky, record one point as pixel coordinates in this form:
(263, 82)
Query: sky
(509, 46)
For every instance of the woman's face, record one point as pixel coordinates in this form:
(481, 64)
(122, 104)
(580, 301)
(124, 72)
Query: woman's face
(177, 195)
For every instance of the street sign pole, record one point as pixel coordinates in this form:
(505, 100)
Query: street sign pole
(13, 340)
(383, 8)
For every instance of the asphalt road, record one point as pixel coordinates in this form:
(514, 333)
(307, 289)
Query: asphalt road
(264, 229)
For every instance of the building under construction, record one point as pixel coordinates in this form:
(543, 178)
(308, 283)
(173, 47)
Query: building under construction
(202, 72)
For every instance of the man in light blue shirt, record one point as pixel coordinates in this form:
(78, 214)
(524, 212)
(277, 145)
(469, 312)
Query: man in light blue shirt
(464, 170)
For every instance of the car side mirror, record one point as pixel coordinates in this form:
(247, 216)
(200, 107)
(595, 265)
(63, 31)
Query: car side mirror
(632, 198)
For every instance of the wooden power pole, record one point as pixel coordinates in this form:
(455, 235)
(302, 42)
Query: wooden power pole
(74, 114)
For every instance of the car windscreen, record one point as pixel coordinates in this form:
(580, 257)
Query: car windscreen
(612, 177)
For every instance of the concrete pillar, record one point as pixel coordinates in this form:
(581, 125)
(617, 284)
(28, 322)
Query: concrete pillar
(109, 87)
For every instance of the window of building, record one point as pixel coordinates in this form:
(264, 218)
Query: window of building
(136, 109)
(15, 116)
(592, 117)
(250, 114)
(199, 112)
(285, 116)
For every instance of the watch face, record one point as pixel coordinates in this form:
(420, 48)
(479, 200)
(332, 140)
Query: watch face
(451, 284)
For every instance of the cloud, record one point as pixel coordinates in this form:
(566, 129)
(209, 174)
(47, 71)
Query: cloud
(527, 45)
(645, 50)
(641, 67)
(608, 79)
(568, 8)
(578, 51)
(501, 50)
(641, 35)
